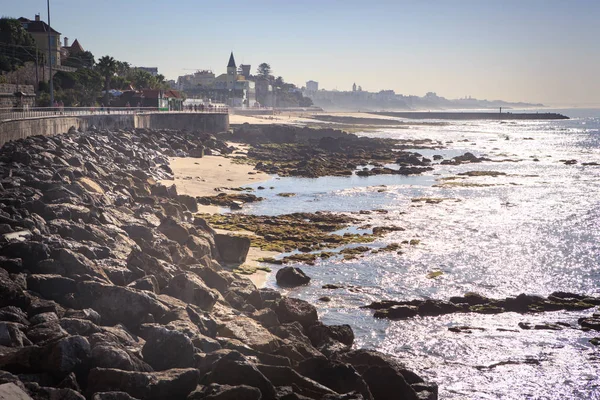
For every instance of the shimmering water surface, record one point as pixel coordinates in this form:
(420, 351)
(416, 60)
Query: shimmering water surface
(536, 230)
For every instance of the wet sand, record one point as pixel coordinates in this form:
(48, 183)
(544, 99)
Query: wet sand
(201, 176)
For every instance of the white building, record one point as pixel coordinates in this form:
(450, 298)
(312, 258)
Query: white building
(312, 86)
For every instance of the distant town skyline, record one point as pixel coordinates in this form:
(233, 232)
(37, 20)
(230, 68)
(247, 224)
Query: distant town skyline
(534, 51)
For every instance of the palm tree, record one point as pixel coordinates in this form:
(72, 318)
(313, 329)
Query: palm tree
(107, 67)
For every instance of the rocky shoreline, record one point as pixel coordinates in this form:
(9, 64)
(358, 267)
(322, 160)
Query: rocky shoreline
(112, 288)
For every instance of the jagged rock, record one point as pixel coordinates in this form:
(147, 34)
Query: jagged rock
(174, 230)
(171, 384)
(143, 264)
(291, 277)
(211, 277)
(70, 354)
(109, 301)
(397, 312)
(302, 386)
(191, 289)
(225, 392)
(289, 310)
(249, 332)
(166, 349)
(30, 252)
(13, 314)
(200, 246)
(266, 317)
(45, 332)
(319, 334)
(386, 383)
(147, 282)
(67, 262)
(341, 378)
(43, 318)
(233, 369)
(86, 313)
(10, 391)
(12, 265)
(53, 287)
(137, 231)
(112, 396)
(11, 294)
(50, 393)
(76, 326)
(11, 335)
(189, 201)
(232, 249)
(107, 356)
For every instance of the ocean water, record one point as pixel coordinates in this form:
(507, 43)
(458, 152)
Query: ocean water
(534, 230)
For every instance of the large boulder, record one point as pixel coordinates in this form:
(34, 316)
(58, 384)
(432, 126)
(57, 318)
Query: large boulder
(225, 392)
(233, 249)
(147, 282)
(11, 294)
(249, 332)
(70, 354)
(10, 391)
(143, 264)
(320, 334)
(117, 304)
(67, 263)
(112, 396)
(291, 277)
(30, 252)
(53, 287)
(233, 369)
(174, 230)
(166, 349)
(192, 289)
(171, 384)
(111, 356)
(291, 310)
(12, 335)
(342, 378)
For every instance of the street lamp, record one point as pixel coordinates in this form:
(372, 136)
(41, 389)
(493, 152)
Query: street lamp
(50, 57)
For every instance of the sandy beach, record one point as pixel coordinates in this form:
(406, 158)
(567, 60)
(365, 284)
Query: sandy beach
(201, 176)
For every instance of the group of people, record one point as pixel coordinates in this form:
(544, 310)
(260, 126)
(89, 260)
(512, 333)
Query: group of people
(202, 107)
(58, 106)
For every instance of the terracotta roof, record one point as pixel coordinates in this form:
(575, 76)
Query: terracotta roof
(35, 26)
(75, 46)
(231, 61)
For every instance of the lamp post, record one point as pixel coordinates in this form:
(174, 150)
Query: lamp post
(50, 57)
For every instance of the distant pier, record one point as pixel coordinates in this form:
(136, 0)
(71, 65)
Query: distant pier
(471, 115)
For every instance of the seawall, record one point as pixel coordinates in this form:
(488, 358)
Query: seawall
(55, 125)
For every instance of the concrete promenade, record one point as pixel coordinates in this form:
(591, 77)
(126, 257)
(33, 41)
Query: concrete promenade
(55, 123)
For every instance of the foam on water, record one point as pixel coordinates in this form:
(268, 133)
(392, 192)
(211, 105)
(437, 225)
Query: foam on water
(534, 231)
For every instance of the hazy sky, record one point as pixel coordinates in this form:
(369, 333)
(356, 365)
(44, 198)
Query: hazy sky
(519, 50)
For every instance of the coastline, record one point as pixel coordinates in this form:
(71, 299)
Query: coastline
(203, 177)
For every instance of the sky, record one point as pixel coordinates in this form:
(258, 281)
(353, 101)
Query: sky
(541, 51)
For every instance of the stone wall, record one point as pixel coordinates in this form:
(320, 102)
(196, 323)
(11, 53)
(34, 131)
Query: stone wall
(55, 125)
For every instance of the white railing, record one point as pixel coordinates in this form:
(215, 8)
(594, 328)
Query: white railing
(15, 113)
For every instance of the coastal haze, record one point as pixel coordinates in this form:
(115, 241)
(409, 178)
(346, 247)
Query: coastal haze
(322, 200)
(535, 51)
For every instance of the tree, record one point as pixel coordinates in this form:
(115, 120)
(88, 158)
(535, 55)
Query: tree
(17, 46)
(264, 71)
(107, 67)
(80, 60)
(123, 68)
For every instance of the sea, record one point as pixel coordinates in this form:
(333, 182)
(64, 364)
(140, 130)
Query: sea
(534, 230)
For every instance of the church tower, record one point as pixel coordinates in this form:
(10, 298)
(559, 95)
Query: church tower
(231, 72)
